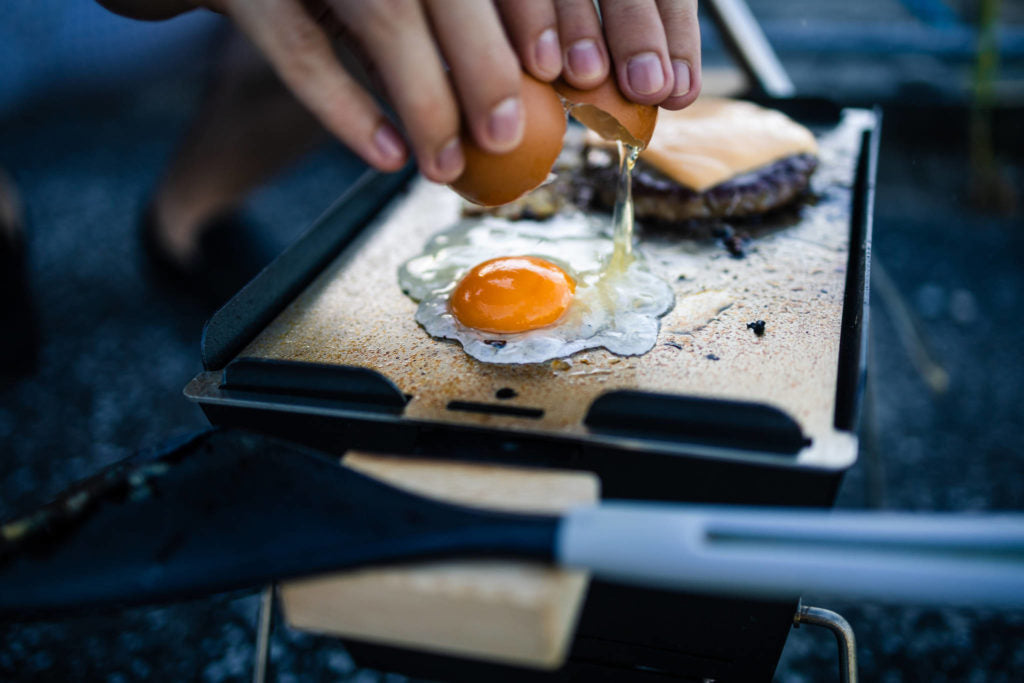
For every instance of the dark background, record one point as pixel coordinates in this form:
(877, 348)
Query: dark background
(91, 106)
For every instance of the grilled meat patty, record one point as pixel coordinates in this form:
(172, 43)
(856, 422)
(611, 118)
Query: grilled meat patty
(658, 198)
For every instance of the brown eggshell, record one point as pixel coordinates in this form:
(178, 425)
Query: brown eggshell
(493, 179)
(608, 113)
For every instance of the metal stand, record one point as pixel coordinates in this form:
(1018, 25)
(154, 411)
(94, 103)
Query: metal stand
(264, 625)
(841, 629)
(908, 329)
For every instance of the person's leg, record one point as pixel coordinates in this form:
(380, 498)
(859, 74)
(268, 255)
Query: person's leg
(248, 128)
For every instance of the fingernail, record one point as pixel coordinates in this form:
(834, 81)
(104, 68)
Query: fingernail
(505, 125)
(449, 159)
(547, 53)
(681, 70)
(584, 59)
(389, 145)
(645, 74)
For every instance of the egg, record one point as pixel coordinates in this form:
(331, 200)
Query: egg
(527, 291)
(512, 294)
(553, 298)
(607, 112)
(492, 179)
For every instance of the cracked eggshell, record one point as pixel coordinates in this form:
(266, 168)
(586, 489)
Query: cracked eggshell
(607, 112)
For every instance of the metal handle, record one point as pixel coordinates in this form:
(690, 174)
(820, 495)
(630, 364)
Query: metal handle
(841, 629)
(889, 557)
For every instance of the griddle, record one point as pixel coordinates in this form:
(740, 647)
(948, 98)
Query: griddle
(321, 348)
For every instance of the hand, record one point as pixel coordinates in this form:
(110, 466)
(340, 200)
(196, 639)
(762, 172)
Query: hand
(654, 46)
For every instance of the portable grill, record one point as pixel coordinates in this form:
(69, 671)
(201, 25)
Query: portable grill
(322, 349)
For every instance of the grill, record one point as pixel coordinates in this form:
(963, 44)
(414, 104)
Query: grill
(321, 348)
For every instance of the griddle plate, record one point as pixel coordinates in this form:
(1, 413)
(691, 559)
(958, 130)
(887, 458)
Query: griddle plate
(793, 277)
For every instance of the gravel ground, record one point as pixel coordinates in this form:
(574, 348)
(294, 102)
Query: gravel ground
(116, 352)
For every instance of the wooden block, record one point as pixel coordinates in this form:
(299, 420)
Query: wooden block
(518, 613)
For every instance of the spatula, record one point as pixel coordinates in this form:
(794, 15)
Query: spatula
(228, 510)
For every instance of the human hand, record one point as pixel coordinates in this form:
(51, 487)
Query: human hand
(654, 48)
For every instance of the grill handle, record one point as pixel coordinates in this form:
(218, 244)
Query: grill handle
(948, 559)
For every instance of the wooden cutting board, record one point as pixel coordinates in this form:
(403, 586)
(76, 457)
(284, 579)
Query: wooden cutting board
(517, 613)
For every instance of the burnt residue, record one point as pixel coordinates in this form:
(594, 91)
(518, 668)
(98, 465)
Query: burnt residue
(674, 345)
(737, 244)
(712, 356)
(506, 393)
(722, 231)
(496, 343)
(757, 326)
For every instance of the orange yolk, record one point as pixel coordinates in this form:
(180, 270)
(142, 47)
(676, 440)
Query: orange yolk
(512, 294)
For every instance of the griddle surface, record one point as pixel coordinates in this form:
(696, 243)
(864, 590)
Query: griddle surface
(793, 277)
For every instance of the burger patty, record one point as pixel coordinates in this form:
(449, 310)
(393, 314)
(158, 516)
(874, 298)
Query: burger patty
(658, 198)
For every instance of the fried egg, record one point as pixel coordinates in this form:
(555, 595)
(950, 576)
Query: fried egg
(529, 291)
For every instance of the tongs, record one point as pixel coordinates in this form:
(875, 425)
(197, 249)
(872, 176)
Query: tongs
(226, 510)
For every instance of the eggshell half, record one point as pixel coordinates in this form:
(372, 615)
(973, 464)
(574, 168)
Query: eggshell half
(607, 112)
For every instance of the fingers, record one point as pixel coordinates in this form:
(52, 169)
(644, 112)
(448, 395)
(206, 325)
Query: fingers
(484, 68)
(682, 32)
(655, 45)
(533, 28)
(584, 56)
(302, 56)
(397, 37)
(636, 39)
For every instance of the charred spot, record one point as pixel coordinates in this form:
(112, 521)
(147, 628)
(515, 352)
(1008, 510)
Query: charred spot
(496, 343)
(757, 326)
(506, 393)
(723, 231)
(737, 244)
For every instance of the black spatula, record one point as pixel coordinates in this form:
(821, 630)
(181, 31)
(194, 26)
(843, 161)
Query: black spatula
(228, 510)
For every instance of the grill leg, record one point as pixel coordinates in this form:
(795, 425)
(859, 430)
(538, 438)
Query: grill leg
(841, 629)
(265, 624)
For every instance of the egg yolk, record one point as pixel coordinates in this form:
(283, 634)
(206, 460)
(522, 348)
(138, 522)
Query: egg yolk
(512, 294)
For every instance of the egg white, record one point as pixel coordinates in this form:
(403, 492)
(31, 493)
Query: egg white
(619, 311)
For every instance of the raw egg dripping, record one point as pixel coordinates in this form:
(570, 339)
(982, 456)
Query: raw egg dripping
(512, 294)
(527, 309)
(607, 112)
